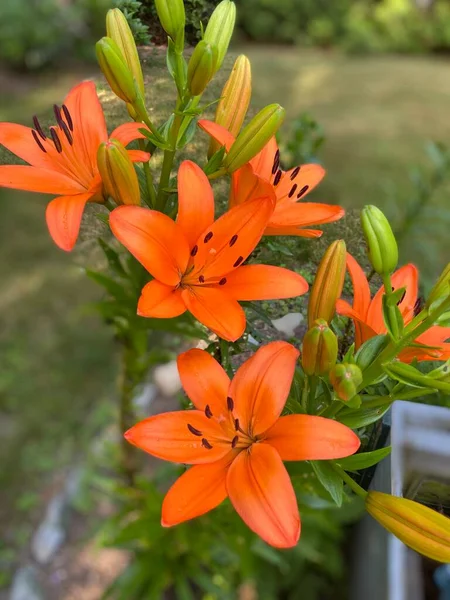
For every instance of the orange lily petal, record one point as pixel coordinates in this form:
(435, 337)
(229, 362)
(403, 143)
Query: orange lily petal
(435, 336)
(204, 381)
(127, 132)
(361, 289)
(363, 331)
(298, 182)
(195, 201)
(261, 492)
(88, 118)
(160, 301)
(196, 492)
(219, 133)
(168, 436)
(261, 386)
(408, 277)
(305, 437)
(305, 213)
(63, 217)
(153, 239)
(307, 233)
(34, 179)
(229, 241)
(19, 140)
(262, 163)
(138, 156)
(245, 185)
(263, 282)
(215, 309)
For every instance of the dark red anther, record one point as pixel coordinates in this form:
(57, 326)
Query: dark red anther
(402, 298)
(223, 281)
(194, 250)
(238, 262)
(206, 444)
(68, 117)
(38, 128)
(234, 441)
(57, 112)
(208, 412)
(208, 236)
(303, 191)
(66, 132)
(294, 173)
(230, 403)
(276, 162)
(56, 140)
(37, 140)
(201, 279)
(194, 430)
(236, 424)
(276, 181)
(292, 190)
(418, 306)
(233, 240)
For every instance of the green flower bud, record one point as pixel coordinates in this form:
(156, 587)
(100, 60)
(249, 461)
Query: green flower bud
(381, 242)
(219, 30)
(117, 29)
(254, 136)
(409, 375)
(115, 69)
(200, 68)
(119, 177)
(441, 288)
(320, 349)
(173, 19)
(345, 379)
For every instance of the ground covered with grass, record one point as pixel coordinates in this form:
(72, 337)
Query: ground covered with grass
(57, 365)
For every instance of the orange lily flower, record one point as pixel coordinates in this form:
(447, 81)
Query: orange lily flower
(237, 440)
(290, 216)
(195, 260)
(367, 314)
(65, 162)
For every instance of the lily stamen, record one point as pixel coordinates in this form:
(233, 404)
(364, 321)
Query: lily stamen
(206, 444)
(38, 141)
(56, 140)
(194, 431)
(38, 128)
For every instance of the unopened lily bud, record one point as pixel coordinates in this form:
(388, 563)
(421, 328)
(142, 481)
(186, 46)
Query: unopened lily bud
(409, 375)
(173, 19)
(200, 67)
(119, 178)
(419, 527)
(254, 136)
(345, 379)
(115, 69)
(380, 239)
(320, 349)
(219, 30)
(441, 288)
(117, 29)
(234, 100)
(328, 283)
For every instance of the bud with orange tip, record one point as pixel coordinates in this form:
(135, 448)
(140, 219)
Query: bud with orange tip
(320, 349)
(234, 100)
(419, 527)
(345, 379)
(119, 178)
(328, 283)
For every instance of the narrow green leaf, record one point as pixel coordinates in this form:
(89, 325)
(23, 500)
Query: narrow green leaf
(363, 460)
(362, 417)
(329, 479)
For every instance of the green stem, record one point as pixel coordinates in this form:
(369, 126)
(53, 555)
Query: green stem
(349, 481)
(219, 173)
(305, 390)
(126, 416)
(311, 405)
(225, 356)
(169, 156)
(393, 325)
(188, 118)
(148, 178)
(376, 368)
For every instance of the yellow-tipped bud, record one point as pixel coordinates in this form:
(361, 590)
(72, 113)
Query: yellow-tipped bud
(419, 527)
(219, 30)
(173, 18)
(441, 288)
(381, 243)
(201, 67)
(234, 101)
(117, 29)
(328, 283)
(119, 178)
(116, 70)
(345, 379)
(254, 136)
(320, 349)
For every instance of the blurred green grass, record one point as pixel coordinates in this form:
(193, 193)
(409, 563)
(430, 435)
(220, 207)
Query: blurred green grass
(57, 363)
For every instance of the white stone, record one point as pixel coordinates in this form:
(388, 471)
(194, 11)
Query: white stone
(143, 401)
(50, 534)
(167, 379)
(25, 585)
(288, 323)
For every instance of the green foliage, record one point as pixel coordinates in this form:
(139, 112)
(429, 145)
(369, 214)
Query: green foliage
(132, 10)
(39, 33)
